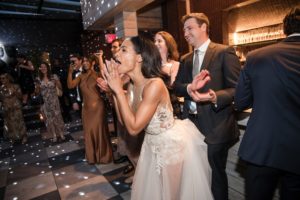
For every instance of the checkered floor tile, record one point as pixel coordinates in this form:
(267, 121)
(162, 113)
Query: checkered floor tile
(42, 169)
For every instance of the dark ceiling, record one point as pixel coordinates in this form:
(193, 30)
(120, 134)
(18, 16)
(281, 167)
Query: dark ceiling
(41, 9)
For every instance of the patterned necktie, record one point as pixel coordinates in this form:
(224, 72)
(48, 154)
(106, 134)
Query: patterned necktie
(196, 65)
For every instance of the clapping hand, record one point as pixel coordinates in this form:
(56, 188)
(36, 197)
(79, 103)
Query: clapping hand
(199, 81)
(112, 77)
(202, 97)
(99, 54)
(103, 84)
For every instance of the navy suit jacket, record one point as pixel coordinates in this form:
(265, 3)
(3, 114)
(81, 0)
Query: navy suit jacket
(270, 84)
(217, 124)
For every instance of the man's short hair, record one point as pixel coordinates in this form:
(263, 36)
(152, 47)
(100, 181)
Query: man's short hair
(119, 40)
(291, 22)
(75, 55)
(200, 18)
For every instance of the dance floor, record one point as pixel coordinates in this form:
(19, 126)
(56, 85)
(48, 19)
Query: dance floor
(42, 169)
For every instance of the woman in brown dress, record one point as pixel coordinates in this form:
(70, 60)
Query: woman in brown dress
(10, 96)
(97, 144)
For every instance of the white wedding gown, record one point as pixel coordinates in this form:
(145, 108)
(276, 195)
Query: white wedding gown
(173, 161)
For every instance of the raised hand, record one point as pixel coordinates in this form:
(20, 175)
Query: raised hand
(103, 85)
(200, 80)
(99, 54)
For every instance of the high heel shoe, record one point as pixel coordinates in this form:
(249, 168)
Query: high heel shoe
(120, 160)
(128, 169)
(62, 137)
(128, 180)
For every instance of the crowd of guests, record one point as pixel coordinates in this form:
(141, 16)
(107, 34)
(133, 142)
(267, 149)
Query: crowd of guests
(177, 151)
(207, 79)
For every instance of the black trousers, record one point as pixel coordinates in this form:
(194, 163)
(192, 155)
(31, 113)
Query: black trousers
(65, 108)
(217, 158)
(261, 183)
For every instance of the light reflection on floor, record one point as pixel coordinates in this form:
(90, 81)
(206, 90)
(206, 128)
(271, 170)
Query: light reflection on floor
(42, 169)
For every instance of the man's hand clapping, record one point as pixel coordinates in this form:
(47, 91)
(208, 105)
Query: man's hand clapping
(199, 81)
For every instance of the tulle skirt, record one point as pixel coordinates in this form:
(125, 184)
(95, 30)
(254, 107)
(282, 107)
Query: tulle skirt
(173, 165)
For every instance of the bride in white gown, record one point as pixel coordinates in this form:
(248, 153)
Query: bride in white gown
(173, 160)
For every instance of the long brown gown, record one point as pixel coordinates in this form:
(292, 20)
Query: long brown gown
(97, 143)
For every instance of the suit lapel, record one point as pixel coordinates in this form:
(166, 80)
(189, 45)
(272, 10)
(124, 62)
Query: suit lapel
(208, 55)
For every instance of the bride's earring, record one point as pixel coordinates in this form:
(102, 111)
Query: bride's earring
(139, 59)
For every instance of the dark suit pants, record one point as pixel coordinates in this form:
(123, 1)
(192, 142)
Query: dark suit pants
(261, 183)
(217, 158)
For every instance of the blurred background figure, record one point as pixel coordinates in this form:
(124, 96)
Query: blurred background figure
(96, 65)
(95, 126)
(64, 100)
(115, 47)
(74, 93)
(25, 70)
(167, 48)
(10, 97)
(50, 109)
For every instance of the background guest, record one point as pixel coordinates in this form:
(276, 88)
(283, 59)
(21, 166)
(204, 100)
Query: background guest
(169, 55)
(74, 93)
(50, 109)
(270, 84)
(96, 64)
(96, 135)
(25, 71)
(10, 97)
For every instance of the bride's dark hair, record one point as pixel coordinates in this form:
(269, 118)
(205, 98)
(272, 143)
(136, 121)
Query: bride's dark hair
(151, 64)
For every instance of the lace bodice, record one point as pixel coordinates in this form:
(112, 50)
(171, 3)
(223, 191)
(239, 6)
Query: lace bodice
(161, 137)
(161, 121)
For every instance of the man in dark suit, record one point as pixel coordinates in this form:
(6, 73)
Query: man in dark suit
(270, 84)
(213, 113)
(75, 95)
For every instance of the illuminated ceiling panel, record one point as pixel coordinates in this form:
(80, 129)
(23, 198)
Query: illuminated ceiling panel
(98, 14)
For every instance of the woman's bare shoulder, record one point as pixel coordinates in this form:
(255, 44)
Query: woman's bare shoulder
(156, 83)
(155, 86)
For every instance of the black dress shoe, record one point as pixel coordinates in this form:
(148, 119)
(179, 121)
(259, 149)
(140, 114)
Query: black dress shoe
(128, 169)
(121, 160)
